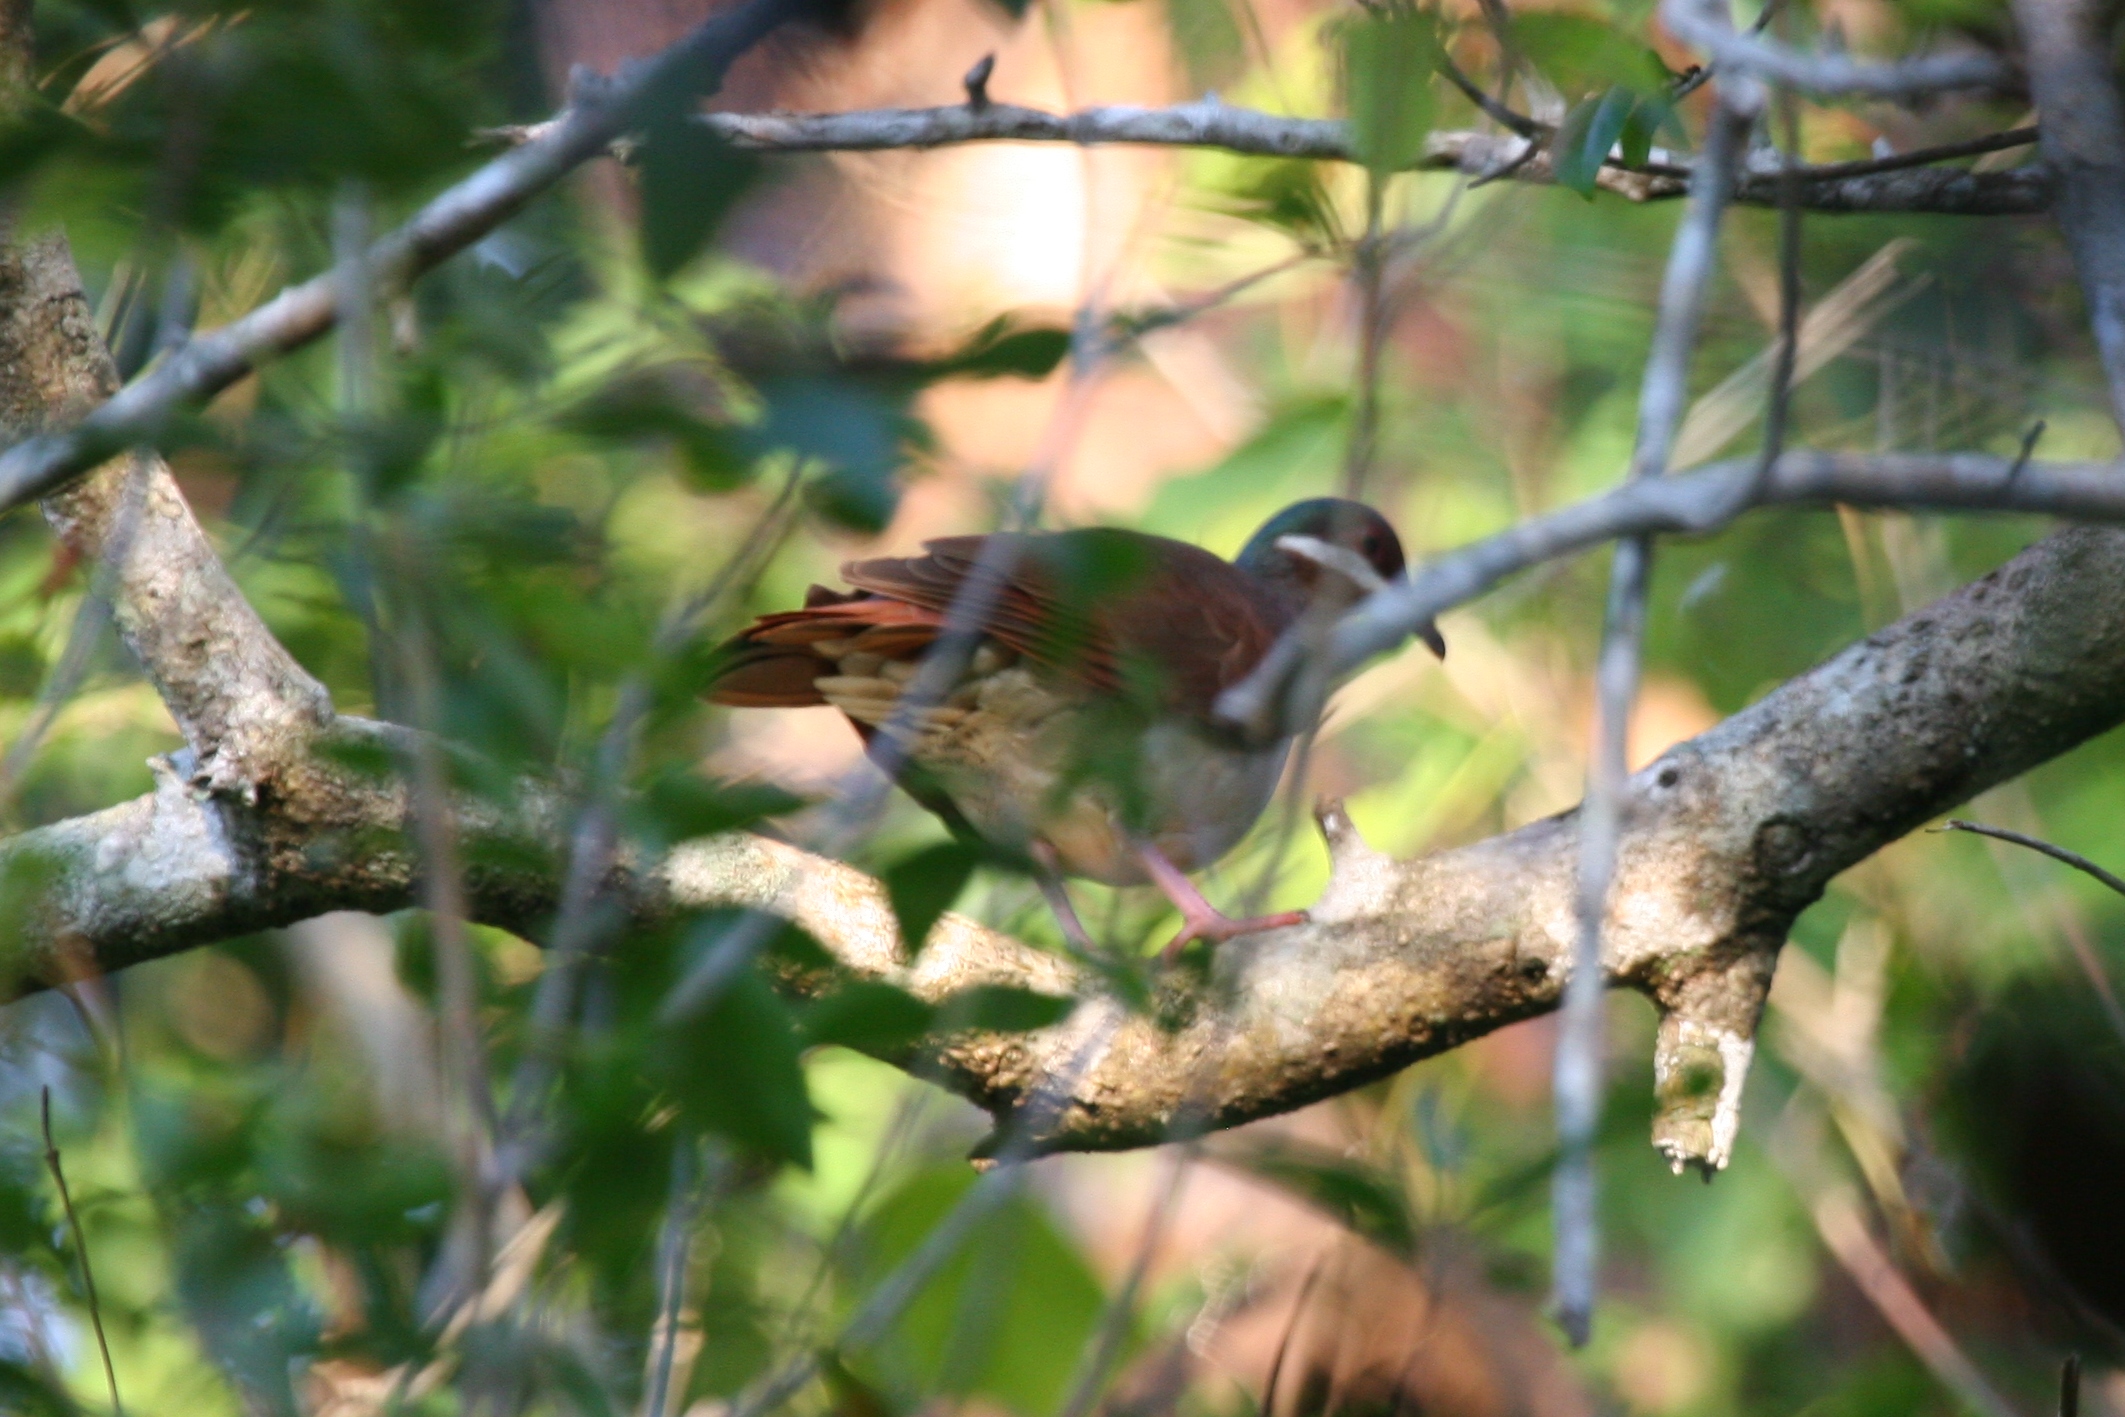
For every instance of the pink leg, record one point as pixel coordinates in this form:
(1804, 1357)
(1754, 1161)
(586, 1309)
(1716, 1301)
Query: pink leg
(1200, 920)
(1049, 875)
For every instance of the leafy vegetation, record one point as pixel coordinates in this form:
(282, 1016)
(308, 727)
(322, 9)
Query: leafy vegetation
(477, 515)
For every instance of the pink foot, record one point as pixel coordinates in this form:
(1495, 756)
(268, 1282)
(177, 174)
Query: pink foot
(1049, 874)
(1200, 920)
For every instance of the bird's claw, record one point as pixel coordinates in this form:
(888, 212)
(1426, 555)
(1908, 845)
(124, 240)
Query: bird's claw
(1217, 927)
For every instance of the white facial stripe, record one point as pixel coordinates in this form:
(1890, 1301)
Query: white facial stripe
(1341, 559)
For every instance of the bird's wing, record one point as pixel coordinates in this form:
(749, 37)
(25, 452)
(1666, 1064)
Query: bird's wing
(777, 660)
(1111, 609)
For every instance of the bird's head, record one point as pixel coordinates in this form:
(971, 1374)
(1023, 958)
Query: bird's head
(1329, 552)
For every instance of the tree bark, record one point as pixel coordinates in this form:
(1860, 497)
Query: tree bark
(245, 707)
(1726, 839)
(2070, 75)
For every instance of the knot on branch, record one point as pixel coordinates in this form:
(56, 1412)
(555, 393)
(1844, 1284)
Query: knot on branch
(1361, 880)
(1701, 1056)
(977, 81)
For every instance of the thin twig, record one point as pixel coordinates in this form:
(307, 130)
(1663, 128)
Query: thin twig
(1492, 108)
(997, 1186)
(674, 1247)
(599, 112)
(2029, 442)
(1692, 503)
(2056, 853)
(1845, 1234)
(1922, 157)
(1367, 271)
(1114, 1323)
(443, 896)
(1661, 402)
(1283, 1346)
(2084, 954)
(1488, 156)
(1789, 221)
(81, 1248)
(2070, 1386)
(1135, 324)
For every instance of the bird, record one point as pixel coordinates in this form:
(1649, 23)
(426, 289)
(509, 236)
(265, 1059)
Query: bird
(1081, 737)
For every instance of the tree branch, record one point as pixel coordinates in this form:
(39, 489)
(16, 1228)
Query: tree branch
(1662, 399)
(1703, 24)
(2070, 59)
(245, 707)
(1722, 842)
(1899, 184)
(600, 111)
(1835, 187)
(1690, 503)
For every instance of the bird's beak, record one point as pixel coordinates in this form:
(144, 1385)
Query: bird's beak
(1429, 633)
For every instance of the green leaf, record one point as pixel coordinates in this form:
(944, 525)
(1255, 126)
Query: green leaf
(681, 804)
(1002, 349)
(736, 1069)
(1002, 1008)
(25, 1391)
(1389, 56)
(1209, 41)
(1582, 55)
(1648, 116)
(867, 1016)
(1589, 131)
(666, 405)
(1286, 193)
(1004, 1318)
(690, 180)
(859, 435)
(1361, 1197)
(924, 885)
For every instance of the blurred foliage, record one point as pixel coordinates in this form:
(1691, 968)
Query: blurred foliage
(482, 517)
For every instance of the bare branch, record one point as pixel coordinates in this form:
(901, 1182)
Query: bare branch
(1703, 25)
(1954, 191)
(2070, 75)
(1834, 187)
(1694, 502)
(600, 112)
(243, 704)
(2002, 141)
(1662, 399)
(81, 1248)
(1493, 109)
(2036, 843)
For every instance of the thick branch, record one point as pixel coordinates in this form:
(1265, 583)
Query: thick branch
(1724, 840)
(244, 705)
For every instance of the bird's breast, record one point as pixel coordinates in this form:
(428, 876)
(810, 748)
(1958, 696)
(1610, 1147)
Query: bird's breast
(1026, 755)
